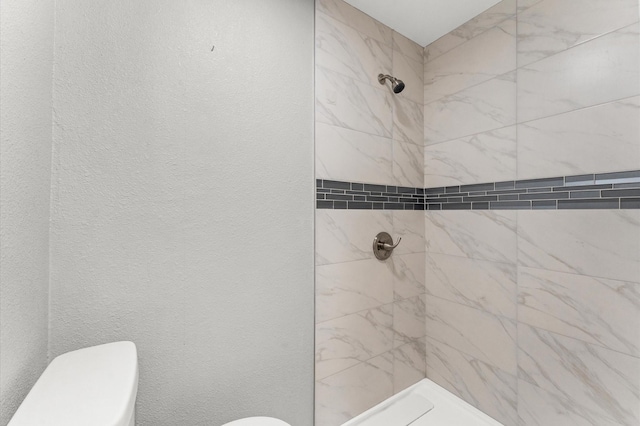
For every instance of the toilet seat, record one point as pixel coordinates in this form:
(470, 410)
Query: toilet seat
(257, 421)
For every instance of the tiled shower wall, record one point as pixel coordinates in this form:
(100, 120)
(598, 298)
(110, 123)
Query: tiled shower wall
(370, 314)
(534, 316)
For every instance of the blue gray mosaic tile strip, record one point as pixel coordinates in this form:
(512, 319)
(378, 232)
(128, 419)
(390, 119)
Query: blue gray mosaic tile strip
(332, 194)
(620, 190)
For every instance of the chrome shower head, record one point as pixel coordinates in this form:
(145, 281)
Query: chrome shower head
(396, 85)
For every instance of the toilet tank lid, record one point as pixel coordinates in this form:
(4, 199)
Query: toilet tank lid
(93, 386)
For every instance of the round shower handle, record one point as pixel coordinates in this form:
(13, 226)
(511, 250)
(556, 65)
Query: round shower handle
(383, 245)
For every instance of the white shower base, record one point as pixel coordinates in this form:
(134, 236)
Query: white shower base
(423, 404)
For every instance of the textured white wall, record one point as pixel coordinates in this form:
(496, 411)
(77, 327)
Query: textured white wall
(25, 155)
(182, 206)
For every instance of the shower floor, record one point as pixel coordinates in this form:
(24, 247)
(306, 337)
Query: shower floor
(423, 404)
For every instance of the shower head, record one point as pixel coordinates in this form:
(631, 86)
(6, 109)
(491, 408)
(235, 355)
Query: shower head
(396, 85)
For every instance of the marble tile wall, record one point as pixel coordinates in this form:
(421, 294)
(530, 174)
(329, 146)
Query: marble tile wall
(370, 317)
(534, 316)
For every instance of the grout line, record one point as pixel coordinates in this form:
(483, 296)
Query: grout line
(599, 345)
(495, 25)
(495, 77)
(500, 316)
(475, 357)
(579, 44)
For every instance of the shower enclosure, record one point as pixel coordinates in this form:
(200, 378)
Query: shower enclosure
(510, 167)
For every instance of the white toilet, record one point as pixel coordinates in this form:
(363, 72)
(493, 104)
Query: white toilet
(93, 386)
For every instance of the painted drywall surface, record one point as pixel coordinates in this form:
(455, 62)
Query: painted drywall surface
(533, 309)
(25, 120)
(182, 206)
(370, 314)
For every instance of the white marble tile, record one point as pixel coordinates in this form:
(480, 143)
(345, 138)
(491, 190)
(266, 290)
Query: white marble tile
(595, 310)
(552, 26)
(349, 155)
(477, 333)
(473, 28)
(350, 287)
(598, 243)
(346, 394)
(482, 58)
(407, 47)
(484, 235)
(595, 72)
(347, 235)
(488, 286)
(484, 386)
(408, 225)
(348, 340)
(411, 72)
(344, 50)
(484, 157)
(598, 380)
(344, 102)
(526, 4)
(408, 164)
(537, 407)
(408, 275)
(603, 138)
(408, 320)
(486, 106)
(344, 12)
(408, 121)
(408, 365)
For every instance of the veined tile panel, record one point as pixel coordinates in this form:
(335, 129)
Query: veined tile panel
(487, 56)
(526, 4)
(408, 320)
(486, 106)
(410, 72)
(344, 395)
(598, 139)
(408, 164)
(477, 333)
(408, 275)
(409, 365)
(344, 102)
(408, 48)
(537, 407)
(473, 28)
(484, 235)
(601, 70)
(408, 121)
(488, 286)
(408, 225)
(358, 20)
(351, 287)
(483, 157)
(344, 236)
(344, 50)
(595, 310)
(348, 340)
(552, 26)
(596, 243)
(348, 155)
(482, 385)
(600, 381)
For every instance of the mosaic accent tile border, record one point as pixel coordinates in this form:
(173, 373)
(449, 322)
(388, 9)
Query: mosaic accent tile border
(618, 190)
(331, 194)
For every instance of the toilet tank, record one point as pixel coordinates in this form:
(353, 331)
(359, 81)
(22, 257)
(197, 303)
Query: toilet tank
(94, 386)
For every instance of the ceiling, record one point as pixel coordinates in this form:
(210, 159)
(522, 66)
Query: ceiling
(423, 21)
